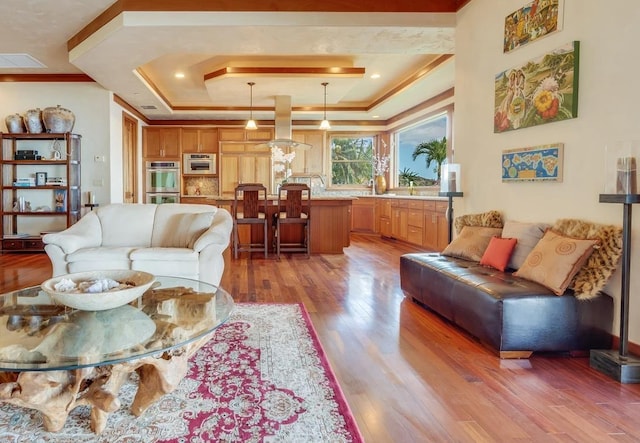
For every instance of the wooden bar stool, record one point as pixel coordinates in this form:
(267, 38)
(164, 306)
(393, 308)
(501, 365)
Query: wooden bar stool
(294, 208)
(246, 211)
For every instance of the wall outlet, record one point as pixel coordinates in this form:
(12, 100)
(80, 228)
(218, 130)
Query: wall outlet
(98, 158)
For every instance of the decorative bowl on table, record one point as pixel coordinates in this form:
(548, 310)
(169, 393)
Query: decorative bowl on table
(92, 291)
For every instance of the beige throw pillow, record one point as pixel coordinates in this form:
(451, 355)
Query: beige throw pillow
(528, 236)
(471, 243)
(555, 260)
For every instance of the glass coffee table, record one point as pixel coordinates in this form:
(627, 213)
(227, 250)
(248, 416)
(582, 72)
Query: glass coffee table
(54, 358)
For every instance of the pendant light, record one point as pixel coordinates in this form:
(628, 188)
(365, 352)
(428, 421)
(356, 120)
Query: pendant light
(251, 123)
(325, 123)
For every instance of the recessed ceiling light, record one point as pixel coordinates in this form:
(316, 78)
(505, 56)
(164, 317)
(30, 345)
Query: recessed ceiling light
(374, 76)
(179, 74)
(375, 116)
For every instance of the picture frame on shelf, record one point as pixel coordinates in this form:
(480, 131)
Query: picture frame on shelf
(41, 178)
(60, 200)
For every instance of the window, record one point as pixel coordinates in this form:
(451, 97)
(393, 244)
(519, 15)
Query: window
(431, 136)
(351, 158)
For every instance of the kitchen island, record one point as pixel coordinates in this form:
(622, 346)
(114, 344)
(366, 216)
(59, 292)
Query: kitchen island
(330, 222)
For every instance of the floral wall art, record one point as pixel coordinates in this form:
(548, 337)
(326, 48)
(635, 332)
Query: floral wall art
(534, 20)
(541, 91)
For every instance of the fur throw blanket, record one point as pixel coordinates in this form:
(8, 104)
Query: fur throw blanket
(489, 219)
(593, 276)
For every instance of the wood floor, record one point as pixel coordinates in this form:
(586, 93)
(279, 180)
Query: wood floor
(408, 375)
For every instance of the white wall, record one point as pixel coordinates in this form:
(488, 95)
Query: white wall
(607, 112)
(90, 104)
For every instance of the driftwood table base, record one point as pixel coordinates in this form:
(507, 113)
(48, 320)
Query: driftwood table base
(56, 393)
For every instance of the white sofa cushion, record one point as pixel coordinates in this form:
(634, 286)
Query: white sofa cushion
(83, 266)
(164, 254)
(97, 259)
(179, 225)
(100, 254)
(182, 230)
(127, 224)
(180, 262)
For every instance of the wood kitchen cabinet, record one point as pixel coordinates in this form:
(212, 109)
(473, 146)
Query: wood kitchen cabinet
(238, 135)
(161, 143)
(415, 222)
(199, 140)
(420, 222)
(384, 216)
(436, 227)
(399, 219)
(308, 161)
(243, 163)
(363, 215)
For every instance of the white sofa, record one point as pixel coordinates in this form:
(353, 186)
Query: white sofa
(180, 240)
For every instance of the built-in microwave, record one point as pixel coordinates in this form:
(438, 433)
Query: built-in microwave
(193, 164)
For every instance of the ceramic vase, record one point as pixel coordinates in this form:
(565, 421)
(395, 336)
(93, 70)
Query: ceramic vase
(15, 124)
(33, 121)
(58, 119)
(380, 184)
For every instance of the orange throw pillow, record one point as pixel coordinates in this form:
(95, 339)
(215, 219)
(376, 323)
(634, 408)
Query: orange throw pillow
(498, 253)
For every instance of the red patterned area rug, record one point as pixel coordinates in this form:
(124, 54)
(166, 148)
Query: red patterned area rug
(263, 377)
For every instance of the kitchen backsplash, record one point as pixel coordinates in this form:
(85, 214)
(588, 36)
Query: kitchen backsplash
(205, 186)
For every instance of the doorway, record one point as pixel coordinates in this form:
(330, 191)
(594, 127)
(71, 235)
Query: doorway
(129, 158)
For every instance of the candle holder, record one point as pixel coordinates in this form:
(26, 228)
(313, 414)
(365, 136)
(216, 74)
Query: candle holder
(450, 178)
(621, 171)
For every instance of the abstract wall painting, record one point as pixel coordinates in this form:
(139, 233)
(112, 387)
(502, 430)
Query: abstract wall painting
(543, 90)
(531, 22)
(536, 163)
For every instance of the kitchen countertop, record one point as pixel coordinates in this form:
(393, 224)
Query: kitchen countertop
(402, 196)
(275, 197)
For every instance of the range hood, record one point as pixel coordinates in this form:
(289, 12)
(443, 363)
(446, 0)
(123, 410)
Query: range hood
(283, 138)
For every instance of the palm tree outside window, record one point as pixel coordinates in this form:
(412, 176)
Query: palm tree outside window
(421, 149)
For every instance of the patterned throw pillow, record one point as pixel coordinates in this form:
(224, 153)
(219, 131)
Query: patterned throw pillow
(471, 243)
(555, 260)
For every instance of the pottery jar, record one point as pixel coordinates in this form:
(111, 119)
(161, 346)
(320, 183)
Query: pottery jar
(15, 124)
(58, 119)
(33, 121)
